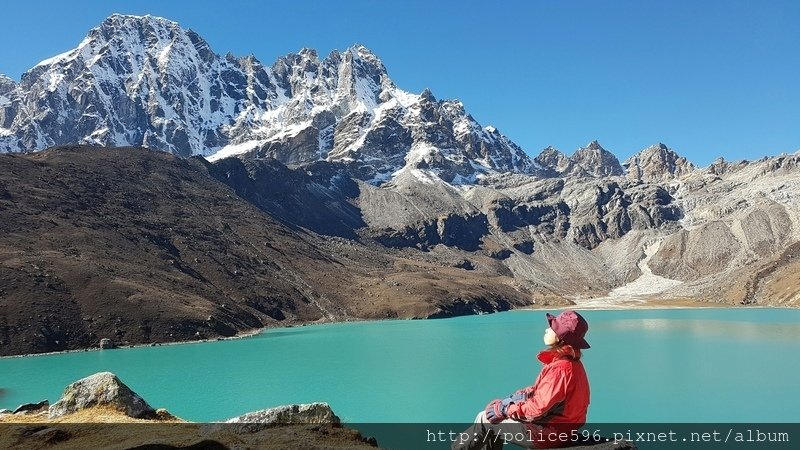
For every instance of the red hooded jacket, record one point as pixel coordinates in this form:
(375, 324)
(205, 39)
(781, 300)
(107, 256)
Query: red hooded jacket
(558, 399)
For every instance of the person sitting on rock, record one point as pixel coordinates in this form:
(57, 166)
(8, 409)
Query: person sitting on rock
(548, 413)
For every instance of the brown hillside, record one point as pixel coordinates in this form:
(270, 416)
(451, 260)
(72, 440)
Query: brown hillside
(144, 247)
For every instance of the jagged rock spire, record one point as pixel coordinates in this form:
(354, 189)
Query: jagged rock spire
(597, 161)
(657, 163)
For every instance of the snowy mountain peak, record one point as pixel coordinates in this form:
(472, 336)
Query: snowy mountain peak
(550, 153)
(308, 53)
(145, 81)
(594, 145)
(116, 21)
(660, 146)
(361, 51)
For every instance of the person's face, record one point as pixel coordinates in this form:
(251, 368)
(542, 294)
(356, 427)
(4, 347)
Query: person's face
(550, 336)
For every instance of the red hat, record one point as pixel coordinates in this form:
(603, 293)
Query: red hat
(570, 327)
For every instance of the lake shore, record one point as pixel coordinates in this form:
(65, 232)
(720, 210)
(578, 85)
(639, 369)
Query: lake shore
(579, 304)
(241, 335)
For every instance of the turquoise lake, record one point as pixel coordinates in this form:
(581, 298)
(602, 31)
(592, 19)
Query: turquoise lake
(672, 365)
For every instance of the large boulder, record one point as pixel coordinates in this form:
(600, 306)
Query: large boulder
(290, 414)
(309, 413)
(101, 389)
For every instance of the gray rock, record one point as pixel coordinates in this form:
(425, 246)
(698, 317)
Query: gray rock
(106, 343)
(5, 411)
(30, 408)
(290, 414)
(597, 161)
(309, 413)
(101, 389)
(657, 163)
(559, 163)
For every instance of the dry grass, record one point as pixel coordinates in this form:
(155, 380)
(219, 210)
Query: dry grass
(97, 414)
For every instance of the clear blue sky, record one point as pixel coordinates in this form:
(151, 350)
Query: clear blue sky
(708, 78)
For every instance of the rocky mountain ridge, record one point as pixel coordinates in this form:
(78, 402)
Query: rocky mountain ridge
(145, 81)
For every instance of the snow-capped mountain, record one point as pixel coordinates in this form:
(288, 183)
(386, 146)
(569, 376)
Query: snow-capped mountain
(146, 81)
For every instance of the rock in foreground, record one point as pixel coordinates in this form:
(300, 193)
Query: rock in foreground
(286, 414)
(101, 389)
(31, 408)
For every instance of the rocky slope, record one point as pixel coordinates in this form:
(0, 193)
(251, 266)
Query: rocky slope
(144, 247)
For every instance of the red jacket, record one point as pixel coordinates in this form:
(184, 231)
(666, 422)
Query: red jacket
(559, 398)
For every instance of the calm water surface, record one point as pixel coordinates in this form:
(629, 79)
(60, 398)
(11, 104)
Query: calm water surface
(703, 365)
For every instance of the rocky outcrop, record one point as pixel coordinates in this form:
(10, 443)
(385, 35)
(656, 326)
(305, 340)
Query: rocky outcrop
(547, 218)
(657, 163)
(7, 94)
(101, 389)
(286, 414)
(310, 413)
(32, 408)
(453, 230)
(590, 161)
(559, 164)
(597, 161)
(318, 197)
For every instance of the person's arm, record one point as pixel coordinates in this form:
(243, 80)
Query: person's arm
(547, 393)
(497, 410)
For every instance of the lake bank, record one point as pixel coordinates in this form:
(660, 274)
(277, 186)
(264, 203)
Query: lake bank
(579, 304)
(587, 304)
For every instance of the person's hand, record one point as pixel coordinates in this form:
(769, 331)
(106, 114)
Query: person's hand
(514, 412)
(495, 412)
